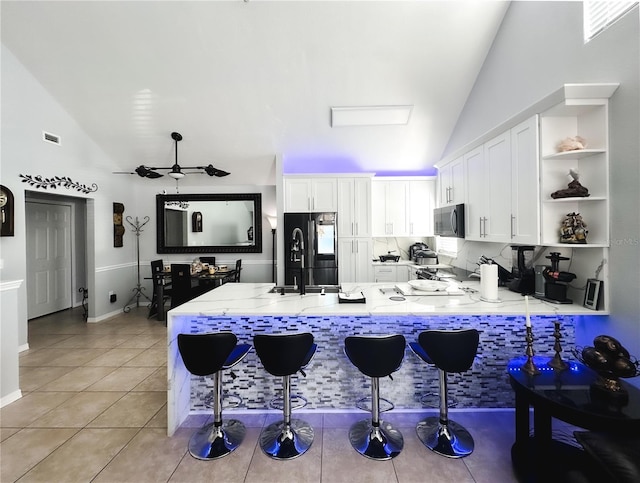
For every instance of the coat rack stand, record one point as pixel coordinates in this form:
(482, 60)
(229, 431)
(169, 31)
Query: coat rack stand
(138, 291)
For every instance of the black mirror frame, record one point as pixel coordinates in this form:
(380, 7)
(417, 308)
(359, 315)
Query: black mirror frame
(257, 229)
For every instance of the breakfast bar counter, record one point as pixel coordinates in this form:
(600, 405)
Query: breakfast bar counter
(331, 382)
(257, 298)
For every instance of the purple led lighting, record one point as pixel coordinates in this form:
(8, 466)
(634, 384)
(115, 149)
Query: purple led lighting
(307, 164)
(318, 163)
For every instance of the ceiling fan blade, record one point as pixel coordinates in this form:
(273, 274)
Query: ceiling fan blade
(145, 172)
(176, 171)
(211, 171)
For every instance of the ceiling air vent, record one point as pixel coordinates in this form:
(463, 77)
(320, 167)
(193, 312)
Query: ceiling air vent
(51, 138)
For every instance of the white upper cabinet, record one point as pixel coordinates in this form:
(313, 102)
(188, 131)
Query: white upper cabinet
(389, 200)
(474, 209)
(422, 194)
(354, 207)
(318, 194)
(525, 206)
(402, 207)
(451, 183)
(502, 187)
(497, 188)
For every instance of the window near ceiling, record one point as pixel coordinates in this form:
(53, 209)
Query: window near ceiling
(598, 16)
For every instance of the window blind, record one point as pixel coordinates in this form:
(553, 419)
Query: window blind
(600, 15)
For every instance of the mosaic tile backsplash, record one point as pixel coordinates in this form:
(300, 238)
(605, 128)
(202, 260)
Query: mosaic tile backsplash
(332, 382)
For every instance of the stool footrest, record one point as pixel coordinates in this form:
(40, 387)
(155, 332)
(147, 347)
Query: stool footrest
(278, 402)
(364, 404)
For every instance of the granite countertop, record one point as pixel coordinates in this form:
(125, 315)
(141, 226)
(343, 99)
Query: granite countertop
(255, 298)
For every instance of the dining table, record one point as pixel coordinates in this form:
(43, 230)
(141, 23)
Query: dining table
(156, 308)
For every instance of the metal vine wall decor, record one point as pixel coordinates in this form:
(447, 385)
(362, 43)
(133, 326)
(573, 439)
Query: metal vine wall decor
(63, 181)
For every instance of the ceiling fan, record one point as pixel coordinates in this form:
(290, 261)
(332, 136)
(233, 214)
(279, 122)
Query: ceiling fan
(175, 171)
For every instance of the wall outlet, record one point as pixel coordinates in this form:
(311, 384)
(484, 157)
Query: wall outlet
(112, 297)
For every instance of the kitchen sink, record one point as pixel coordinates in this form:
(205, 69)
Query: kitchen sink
(308, 289)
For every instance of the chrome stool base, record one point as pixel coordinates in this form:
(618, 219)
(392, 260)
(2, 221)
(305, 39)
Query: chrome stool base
(211, 442)
(379, 443)
(282, 443)
(451, 440)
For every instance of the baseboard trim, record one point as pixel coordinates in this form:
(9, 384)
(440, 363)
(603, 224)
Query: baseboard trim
(9, 398)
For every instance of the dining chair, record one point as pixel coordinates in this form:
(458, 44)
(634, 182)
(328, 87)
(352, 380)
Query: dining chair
(181, 290)
(235, 276)
(157, 278)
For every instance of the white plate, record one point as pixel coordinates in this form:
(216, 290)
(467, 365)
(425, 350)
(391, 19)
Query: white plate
(429, 285)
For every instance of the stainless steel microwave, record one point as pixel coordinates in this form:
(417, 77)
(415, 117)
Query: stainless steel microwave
(449, 221)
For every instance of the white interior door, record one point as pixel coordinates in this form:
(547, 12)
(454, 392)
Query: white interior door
(48, 258)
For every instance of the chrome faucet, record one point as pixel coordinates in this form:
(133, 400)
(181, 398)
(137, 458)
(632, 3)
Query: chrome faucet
(297, 254)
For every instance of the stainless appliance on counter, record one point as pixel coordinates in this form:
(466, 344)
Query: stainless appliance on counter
(421, 254)
(313, 249)
(449, 221)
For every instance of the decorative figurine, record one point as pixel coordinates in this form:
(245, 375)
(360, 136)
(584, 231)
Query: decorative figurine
(611, 361)
(574, 188)
(572, 144)
(573, 229)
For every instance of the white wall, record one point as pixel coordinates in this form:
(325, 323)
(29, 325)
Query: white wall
(540, 47)
(27, 111)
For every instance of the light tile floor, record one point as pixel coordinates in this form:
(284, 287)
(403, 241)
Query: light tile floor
(94, 409)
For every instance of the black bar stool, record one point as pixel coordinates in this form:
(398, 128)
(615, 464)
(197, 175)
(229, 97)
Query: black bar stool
(282, 356)
(376, 357)
(204, 355)
(450, 351)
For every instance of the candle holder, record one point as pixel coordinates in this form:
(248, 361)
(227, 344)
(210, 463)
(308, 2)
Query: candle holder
(529, 367)
(557, 362)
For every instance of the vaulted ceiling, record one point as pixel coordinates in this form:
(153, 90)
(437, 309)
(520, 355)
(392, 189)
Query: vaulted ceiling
(244, 80)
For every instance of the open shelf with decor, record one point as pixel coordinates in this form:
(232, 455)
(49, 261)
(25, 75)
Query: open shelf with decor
(574, 169)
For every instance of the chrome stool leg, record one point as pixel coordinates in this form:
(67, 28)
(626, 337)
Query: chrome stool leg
(289, 438)
(441, 435)
(374, 438)
(218, 438)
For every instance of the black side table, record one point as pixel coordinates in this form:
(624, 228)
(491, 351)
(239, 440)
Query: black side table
(567, 396)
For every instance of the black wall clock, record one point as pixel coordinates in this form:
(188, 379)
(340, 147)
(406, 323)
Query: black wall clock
(6, 207)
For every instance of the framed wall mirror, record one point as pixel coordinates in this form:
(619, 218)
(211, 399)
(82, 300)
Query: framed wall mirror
(226, 223)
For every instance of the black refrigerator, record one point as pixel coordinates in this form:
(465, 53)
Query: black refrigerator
(319, 235)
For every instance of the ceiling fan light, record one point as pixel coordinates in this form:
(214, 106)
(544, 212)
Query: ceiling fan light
(176, 174)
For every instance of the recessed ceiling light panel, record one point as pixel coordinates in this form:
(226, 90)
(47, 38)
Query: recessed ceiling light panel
(370, 116)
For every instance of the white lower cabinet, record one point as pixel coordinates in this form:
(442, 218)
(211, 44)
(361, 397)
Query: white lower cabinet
(354, 260)
(385, 273)
(392, 273)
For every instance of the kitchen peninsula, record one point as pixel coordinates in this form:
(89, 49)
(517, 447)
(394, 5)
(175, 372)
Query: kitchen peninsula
(331, 382)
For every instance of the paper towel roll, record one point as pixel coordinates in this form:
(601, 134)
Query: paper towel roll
(489, 281)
